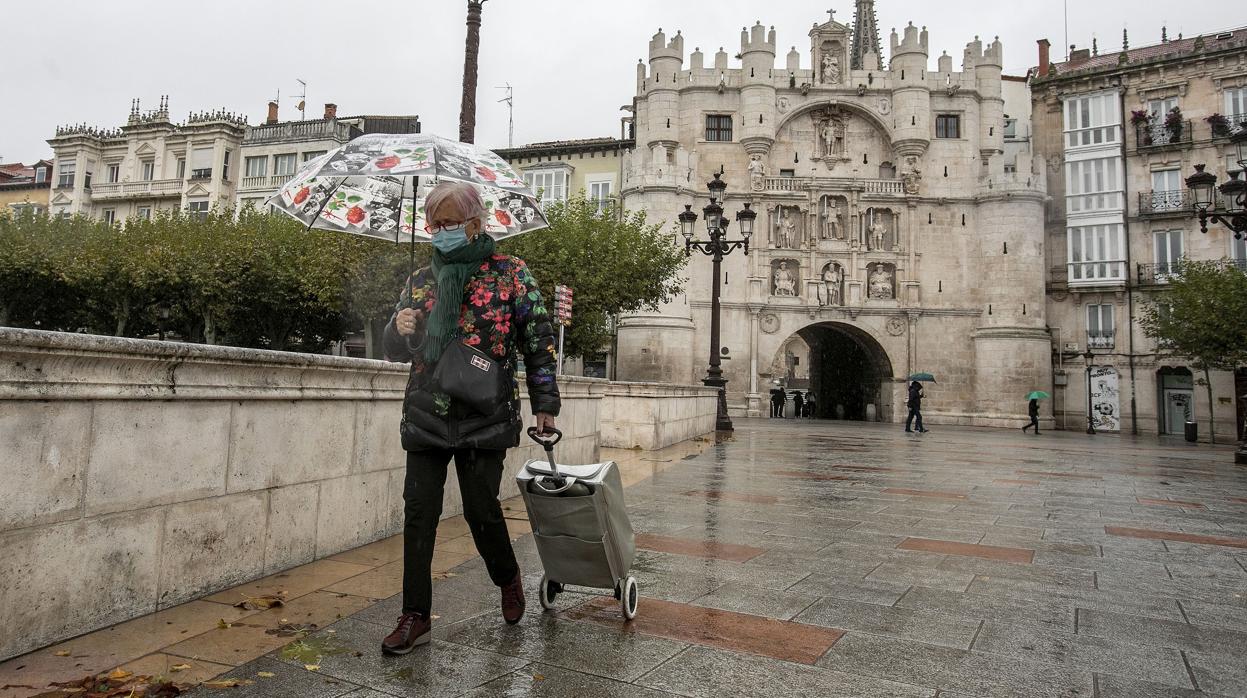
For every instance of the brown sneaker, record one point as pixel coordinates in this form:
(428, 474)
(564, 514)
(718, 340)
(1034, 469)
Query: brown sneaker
(412, 631)
(513, 600)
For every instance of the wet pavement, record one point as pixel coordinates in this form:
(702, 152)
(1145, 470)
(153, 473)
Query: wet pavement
(841, 559)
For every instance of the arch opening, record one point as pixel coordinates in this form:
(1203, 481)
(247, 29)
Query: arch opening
(843, 367)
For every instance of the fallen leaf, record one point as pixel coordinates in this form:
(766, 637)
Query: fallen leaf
(538, 677)
(179, 667)
(119, 675)
(312, 667)
(61, 653)
(221, 624)
(265, 674)
(227, 683)
(260, 603)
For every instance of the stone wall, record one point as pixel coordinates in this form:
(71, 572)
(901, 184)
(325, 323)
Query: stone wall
(138, 474)
(652, 416)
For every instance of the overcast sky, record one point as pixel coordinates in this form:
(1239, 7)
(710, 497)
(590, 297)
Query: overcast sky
(571, 62)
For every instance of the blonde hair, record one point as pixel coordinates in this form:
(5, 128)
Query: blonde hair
(459, 196)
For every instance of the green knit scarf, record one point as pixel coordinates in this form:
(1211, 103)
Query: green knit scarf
(452, 272)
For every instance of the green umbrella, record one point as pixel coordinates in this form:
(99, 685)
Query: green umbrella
(1038, 395)
(922, 378)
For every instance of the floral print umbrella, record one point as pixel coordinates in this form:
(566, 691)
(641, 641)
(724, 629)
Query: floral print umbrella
(376, 185)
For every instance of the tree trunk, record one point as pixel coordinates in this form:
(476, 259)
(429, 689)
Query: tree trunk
(369, 334)
(1212, 424)
(209, 328)
(123, 316)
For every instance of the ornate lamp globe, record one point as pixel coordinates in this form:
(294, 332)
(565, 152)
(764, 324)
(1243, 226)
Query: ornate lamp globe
(744, 219)
(713, 213)
(717, 188)
(1201, 185)
(1239, 140)
(1233, 191)
(688, 219)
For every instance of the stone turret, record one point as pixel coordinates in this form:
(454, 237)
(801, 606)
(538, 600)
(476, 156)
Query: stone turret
(666, 60)
(988, 65)
(757, 95)
(912, 96)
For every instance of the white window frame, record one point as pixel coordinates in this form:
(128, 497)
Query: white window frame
(147, 170)
(292, 159)
(1096, 253)
(181, 168)
(595, 191)
(551, 183)
(1101, 330)
(65, 173)
(198, 209)
(1092, 120)
(143, 213)
(41, 174)
(1238, 251)
(312, 154)
(1235, 102)
(109, 215)
(1168, 249)
(251, 170)
(225, 166)
(112, 173)
(1094, 185)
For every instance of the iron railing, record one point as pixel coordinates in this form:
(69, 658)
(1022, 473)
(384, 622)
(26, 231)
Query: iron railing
(1100, 340)
(1159, 273)
(1233, 124)
(1162, 135)
(1153, 203)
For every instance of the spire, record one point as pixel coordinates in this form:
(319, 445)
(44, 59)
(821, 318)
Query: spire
(1125, 40)
(865, 34)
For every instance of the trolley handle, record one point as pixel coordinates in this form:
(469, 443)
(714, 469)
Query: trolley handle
(548, 443)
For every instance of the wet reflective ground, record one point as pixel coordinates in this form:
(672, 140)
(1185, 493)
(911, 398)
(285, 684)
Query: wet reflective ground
(839, 559)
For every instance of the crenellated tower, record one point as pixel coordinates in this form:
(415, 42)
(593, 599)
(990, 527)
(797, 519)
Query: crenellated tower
(988, 66)
(757, 94)
(911, 93)
(666, 59)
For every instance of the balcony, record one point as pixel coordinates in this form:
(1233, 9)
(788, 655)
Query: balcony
(300, 131)
(1096, 274)
(202, 173)
(138, 190)
(264, 182)
(1233, 124)
(1176, 202)
(1149, 137)
(868, 186)
(1100, 340)
(1156, 274)
(65, 182)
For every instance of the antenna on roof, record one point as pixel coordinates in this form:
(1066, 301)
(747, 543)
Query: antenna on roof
(302, 100)
(510, 114)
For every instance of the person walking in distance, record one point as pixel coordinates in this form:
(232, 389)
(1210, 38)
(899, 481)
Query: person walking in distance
(915, 408)
(1033, 410)
(777, 402)
(476, 297)
(797, 403)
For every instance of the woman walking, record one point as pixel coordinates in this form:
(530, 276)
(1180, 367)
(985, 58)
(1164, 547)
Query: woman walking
(488, 301)
(1033, 410)
(915, 408)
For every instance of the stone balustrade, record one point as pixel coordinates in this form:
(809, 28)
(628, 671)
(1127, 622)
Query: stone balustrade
(155, 187)
(869, 186)
(140, 474)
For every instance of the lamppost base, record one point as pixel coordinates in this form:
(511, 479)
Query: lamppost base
(722, 421)
(1240, 456)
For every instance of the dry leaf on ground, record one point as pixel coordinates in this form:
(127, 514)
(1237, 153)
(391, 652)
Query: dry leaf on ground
(312, 667)
(179, 667)
(260, 603)
(61, 653)
(227, 683)
(265, 674)
(221, 624)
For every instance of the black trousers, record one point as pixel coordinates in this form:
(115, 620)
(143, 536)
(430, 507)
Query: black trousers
(1033, 423)
(914, 412)
(480, 475)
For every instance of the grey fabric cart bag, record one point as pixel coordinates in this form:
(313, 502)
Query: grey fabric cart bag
(580, 525)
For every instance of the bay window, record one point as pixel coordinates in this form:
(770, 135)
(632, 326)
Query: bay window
(1094, 185)
(1096, 254)
(550, 185)
(1092, 120)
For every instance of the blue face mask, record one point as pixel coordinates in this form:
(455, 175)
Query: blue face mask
(450, 239)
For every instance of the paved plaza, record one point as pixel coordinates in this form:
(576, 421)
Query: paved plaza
(814, 559)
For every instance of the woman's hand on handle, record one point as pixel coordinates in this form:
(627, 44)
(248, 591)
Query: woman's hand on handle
(407, 321)
(544, 422)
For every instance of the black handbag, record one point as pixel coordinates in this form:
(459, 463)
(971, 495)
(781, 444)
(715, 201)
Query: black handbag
(471, 377)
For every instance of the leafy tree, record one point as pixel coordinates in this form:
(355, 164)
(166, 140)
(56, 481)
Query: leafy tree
(614, 262)
(1200, 317)
(374, 284)
(33, 290)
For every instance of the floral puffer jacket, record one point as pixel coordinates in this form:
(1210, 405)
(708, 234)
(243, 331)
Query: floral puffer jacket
(502, 314)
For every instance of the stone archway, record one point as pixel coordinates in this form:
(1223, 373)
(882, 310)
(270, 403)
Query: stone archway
(849, 372)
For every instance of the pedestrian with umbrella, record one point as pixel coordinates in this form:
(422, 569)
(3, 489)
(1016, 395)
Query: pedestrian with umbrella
(463, 323)
(1033, 410)
(915, 401)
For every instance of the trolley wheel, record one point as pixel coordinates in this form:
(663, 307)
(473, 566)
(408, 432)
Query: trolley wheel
(629, 601)
(547, 591)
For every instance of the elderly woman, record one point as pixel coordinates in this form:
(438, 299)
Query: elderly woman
(488, 301)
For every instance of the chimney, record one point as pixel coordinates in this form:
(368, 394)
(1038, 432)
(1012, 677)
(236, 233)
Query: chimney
(1044, 46)
(331, 111)
(272, 113)
(1079, 54)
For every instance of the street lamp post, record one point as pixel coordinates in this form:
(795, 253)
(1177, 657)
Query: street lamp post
(1090, 419)
(1233, 213)
(717, 247)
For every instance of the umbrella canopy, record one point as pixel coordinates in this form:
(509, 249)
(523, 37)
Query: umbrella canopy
(922, 378)
(1037, 395)
(376, 186)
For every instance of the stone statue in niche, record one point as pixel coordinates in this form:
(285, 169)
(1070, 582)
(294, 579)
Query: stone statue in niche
(831, 128)
(831, 68)
(880, 282)
(785, 282)
(787, 234)
(833, 276)
(877, 230)
(829, 218)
